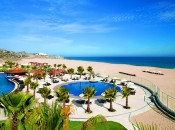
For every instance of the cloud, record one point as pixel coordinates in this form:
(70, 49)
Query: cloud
(124, 17)
(164, 11)
(65, 7)
(82, 28)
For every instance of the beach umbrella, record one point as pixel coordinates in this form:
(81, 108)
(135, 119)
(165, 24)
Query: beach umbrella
(102, 75)
(103, 94)
(55, 77)
(124, 80)
(131, 85)
(81, 95)
(22, 78)
(115, 78)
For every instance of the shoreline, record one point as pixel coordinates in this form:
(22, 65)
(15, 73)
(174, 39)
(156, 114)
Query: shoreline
(165, 82)
(172, 68)
(120, 64)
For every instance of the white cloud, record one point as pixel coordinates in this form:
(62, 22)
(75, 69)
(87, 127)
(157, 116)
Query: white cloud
(167, 16)
(123, 17)
(82, 28)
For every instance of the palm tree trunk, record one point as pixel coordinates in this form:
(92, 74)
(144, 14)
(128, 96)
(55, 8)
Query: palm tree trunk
(111, 104)
(71, 76)
(66, 123)
(64, 104)
(44, 79)
(45, 100)
(127, 102)
(14, 124)
(34, 93)
(88, 105)
(27, 88)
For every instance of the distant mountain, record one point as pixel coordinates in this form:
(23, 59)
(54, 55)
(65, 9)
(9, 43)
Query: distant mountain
(11, 55)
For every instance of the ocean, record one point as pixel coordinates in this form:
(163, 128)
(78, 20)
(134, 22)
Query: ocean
(161, 62)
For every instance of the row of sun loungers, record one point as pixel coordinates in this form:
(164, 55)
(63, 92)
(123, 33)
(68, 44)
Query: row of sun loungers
(127, 73)
(21, 84)
(153, 72)
(81, 101)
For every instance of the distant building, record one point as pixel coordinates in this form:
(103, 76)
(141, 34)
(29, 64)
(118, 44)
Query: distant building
(41, 54)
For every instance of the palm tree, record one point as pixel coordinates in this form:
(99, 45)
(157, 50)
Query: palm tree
(55, 65)
(110, 93)
(90, 70)
(46, 117)
(34, 67)
(33, 86)
(126, 92)
(16, 104)
(45, 92)
(27, 82)
(10, 64)
(88, 92)
(59, 65)
(36, 76)
(80, 70)
(62, 95)
(64, 66)
(70, 71)
(44, 75)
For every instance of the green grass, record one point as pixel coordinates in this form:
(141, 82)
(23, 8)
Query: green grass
(110, 125)
(77, 125)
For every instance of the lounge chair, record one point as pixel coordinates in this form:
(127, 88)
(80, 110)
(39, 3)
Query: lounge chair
(80, 101)
(50, 97)
(56, 81)
(87, 102)
(101, 100)
(67, 101)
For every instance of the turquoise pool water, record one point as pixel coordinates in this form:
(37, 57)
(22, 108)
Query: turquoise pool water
(5, 85)
(76, 88)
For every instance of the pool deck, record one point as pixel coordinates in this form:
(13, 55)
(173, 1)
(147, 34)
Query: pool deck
(137, 102)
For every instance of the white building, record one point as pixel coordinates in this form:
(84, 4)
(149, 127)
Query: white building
(42, 54)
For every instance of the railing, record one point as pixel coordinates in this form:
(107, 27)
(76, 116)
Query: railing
(165, 99)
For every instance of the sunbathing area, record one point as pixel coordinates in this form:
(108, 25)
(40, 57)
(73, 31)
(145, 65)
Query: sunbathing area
(59, 77)
(34, 78)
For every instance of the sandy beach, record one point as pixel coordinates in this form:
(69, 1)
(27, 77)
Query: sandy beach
(165, 82)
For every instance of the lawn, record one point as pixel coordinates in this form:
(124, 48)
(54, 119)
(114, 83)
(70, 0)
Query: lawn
(77, 125)
(110, 125)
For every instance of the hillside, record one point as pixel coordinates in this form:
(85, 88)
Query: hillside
(15, 56)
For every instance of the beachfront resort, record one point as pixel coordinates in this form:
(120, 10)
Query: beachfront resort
(87, 64)
(79, 95)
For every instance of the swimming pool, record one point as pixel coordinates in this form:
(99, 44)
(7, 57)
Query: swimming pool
(76, 88)
(5, 85)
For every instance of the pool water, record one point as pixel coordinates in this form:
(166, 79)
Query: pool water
(76, 88)
(5, 85)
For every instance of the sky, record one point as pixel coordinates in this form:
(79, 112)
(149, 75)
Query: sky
(89, 27)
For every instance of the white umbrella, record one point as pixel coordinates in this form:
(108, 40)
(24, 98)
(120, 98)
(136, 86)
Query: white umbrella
(22, 78)
(81, 95)
(101, 75)
(124, 80)
(55, 77)
(115, 78)
(103, 94)
(131, 85)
